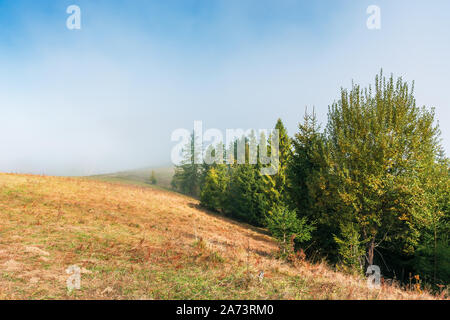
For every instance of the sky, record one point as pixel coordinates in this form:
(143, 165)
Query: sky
(106, 97)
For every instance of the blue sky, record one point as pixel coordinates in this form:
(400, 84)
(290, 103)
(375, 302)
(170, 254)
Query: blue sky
(107, 97)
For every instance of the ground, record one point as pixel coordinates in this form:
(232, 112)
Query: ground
(140, 242)
(140, 177)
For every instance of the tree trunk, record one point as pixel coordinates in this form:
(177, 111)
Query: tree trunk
(370, 251)
(435, 258)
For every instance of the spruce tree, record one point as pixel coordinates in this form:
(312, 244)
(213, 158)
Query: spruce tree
(285, 226)
(276, 185)
(213, 192)
(245, 196)
(187, 177)
(310, 186)
(153, 178)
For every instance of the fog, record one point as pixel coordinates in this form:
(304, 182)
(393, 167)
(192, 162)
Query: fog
(107, 97)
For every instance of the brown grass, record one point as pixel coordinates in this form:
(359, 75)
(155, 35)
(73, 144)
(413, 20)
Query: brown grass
(142, 243)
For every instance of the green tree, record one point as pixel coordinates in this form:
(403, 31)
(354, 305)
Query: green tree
(245, 196)
(276, 184)
(351, 249)
(187, 176)
(213, 192)
(381, 144)
(206, 165)
(432, 258)
(153, 178)
(284, 225)
(310, 185)
(245, 199)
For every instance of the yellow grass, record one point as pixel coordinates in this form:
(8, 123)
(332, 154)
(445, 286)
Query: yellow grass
(142, 243)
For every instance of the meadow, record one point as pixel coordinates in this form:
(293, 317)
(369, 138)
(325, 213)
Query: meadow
(141, 242)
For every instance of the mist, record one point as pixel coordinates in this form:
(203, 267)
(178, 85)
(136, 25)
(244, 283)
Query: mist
(107, 97)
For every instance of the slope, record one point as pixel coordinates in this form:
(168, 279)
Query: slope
(133, 242)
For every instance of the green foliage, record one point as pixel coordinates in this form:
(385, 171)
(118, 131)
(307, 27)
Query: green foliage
(424, 265)
(214, 187)
(245, 199)
(375, 183)
(284, 225)
(432, 258)
(153, 178)
(276, 185)
(311, 187)
(379, 173)
(236, 189)
(380, 147)
(350, 248)
(188, 174)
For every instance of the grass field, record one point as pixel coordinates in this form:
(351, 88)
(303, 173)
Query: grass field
(139, 177)
(134, 242)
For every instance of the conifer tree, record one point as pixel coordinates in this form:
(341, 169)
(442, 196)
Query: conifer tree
(285, 226)
(245, 197)
(187, 177)
(153, 177)
(239, 201)
(276, 185)
(310, 186)
(213, 192)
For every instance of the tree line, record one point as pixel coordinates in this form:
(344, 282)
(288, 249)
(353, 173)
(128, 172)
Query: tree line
(371, 187)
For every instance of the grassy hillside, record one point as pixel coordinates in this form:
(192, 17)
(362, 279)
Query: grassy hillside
(136, 242)
(140, 177)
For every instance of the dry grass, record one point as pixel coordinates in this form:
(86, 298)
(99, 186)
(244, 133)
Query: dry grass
(142, 243)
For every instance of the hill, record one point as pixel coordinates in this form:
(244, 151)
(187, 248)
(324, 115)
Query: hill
(134, 242)
(140, 177)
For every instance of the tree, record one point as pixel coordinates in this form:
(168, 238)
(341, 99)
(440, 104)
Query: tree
(245, 198)
(305, 162)
(277, 184)
(153, 178)
(381, 144)
(213, 191)
(310, 185)
(188, 174)
(434, 241)
(350, 247)
(245, 195)
(284, 225)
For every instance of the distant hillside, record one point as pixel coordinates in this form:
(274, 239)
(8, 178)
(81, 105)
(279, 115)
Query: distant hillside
(134, 242)
(139, 177)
